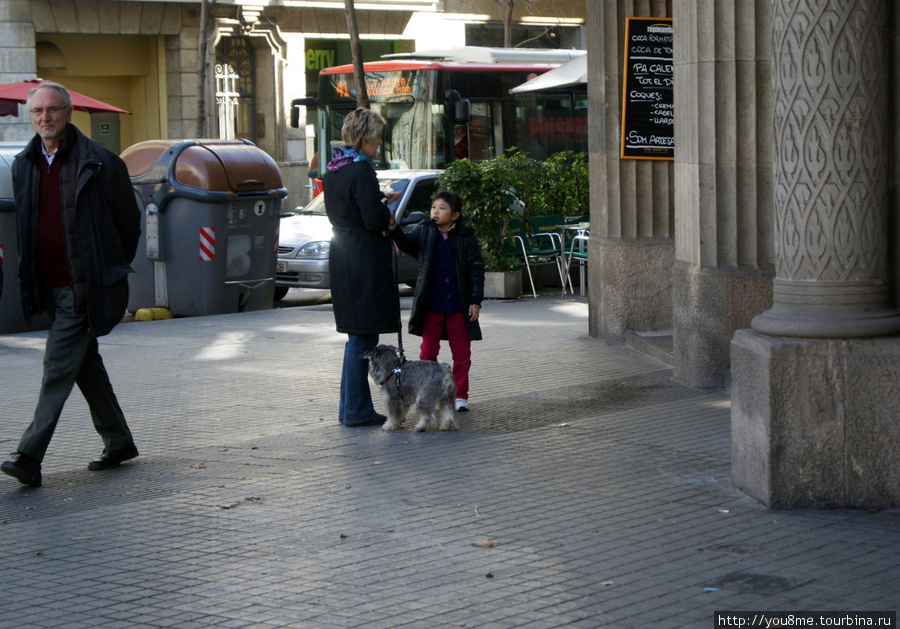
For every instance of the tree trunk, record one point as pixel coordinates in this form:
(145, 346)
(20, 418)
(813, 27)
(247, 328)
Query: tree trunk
(506, 11)
(362, 93)
(203, 44)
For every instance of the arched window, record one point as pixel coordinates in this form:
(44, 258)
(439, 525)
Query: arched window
(235, 97)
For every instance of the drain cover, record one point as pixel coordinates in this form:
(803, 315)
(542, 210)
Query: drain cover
(736, 549)
(756, 583)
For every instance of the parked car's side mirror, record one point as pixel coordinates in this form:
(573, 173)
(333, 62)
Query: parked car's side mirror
(413, 218)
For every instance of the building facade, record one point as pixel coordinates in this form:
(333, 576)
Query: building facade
(144, 56)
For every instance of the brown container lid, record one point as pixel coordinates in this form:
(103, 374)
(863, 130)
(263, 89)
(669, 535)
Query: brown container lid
(220, 165)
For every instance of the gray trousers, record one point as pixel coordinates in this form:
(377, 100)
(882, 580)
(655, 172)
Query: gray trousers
(71, 357)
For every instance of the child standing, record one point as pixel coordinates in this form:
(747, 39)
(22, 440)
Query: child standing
(449, 286)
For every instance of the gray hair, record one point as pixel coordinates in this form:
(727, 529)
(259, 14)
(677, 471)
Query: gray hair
(67, 100)
(360, 125)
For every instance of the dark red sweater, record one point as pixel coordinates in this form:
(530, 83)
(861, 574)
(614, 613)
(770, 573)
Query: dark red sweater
(51, 253)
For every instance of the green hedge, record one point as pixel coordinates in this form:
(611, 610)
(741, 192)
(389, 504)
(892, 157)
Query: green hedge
(558, 185)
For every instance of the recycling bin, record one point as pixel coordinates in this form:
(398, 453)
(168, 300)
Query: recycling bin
(210, 214)
(11, 318)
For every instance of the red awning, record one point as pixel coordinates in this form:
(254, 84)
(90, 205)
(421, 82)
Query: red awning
(13, 93)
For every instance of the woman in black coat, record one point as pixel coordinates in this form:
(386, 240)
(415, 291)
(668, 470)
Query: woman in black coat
(360, 262)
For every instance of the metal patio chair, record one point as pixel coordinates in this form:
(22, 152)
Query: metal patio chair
(534, 249)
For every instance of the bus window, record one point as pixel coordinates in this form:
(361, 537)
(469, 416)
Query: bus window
(417, 138)
(553, 122)
(481, 137)
(461, 141)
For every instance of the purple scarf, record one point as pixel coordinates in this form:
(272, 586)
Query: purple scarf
(343, 155)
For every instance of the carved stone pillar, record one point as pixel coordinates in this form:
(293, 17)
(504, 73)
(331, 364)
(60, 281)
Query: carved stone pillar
(814, 395)
(831, 85)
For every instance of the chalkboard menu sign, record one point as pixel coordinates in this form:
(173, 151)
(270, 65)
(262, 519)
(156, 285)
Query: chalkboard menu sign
(648, 103)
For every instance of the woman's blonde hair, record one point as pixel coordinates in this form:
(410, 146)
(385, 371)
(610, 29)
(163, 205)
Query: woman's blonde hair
(359, 125)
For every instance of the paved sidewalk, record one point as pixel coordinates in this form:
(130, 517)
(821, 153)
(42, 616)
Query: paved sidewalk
(584, 489)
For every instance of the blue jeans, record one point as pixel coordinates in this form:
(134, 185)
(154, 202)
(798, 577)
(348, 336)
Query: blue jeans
(356, 399)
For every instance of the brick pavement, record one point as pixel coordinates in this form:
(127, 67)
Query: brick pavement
(584, 489)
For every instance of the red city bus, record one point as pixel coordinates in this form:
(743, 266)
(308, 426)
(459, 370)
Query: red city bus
(446, 105)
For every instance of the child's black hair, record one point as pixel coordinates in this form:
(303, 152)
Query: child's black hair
(454, 202)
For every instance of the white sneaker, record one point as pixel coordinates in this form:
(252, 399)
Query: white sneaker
(461, 404)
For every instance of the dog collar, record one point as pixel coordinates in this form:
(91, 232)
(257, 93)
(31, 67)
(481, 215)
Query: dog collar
(395, 372)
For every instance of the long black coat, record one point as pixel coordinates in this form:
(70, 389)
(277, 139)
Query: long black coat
(420, 244)
(101, 225)
(363, 290)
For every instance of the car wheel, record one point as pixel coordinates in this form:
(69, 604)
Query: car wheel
(280, 292)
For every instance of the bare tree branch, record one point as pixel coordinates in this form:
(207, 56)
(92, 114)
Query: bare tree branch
(506, 8)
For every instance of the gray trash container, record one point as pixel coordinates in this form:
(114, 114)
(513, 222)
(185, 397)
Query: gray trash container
(11, 317)
(210, 226)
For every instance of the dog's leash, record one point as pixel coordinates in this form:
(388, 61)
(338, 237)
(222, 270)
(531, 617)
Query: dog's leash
(398, 370)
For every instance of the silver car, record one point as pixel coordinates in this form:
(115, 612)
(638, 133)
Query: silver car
(305, 235)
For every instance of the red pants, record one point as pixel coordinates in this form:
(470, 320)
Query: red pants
(460, 346)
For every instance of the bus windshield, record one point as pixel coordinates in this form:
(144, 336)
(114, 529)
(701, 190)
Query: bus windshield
(415, 132)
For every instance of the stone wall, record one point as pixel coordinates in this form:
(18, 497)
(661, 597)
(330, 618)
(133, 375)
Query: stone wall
(177, 22)
(18, 60)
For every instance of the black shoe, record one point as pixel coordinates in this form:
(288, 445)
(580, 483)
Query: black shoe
(24, 469)
(377, 420)
(113, 459)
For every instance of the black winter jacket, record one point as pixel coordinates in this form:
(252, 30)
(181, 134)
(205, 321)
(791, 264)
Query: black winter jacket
(101, 227)
(420, 244)
(363, 290)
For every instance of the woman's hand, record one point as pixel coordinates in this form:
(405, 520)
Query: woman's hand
(473, 312)
(390, 197)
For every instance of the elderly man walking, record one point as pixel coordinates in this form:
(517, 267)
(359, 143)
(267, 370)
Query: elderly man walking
(78, 228)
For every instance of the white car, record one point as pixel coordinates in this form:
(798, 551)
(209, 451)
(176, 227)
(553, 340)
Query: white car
(305, 235)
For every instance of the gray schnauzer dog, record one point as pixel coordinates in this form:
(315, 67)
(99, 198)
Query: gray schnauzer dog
(426, 384)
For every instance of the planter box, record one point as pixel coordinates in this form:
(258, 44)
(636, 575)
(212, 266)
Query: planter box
(503, 284)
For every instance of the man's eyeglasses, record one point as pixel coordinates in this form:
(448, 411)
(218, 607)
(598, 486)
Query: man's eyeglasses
(37, 112)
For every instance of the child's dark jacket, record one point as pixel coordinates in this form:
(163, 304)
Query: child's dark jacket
(420, 244)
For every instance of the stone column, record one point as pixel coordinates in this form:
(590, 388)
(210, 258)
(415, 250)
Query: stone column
(631, 250)
(894, 187)
(724, 259)
(814, 398)
(832, 153)
(18, 62)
